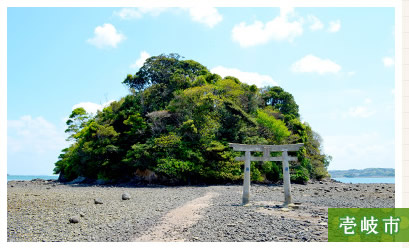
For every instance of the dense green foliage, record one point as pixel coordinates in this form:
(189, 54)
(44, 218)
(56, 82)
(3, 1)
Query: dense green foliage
(177, 122)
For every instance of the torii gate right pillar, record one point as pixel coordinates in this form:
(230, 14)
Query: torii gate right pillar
(286, 179)
(246, 181)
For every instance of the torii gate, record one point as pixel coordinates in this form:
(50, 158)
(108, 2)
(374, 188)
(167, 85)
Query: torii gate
(266, 149)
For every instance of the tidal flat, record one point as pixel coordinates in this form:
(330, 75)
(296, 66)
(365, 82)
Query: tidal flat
(40, 210)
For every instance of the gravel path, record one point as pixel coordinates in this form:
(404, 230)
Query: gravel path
(40, 211)
(172, 226)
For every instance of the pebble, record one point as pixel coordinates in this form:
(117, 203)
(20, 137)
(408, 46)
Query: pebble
(74, 220)
(98, 201)
(126, 196)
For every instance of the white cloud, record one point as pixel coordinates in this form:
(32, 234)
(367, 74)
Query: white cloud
(28, 134)
(351, 73)
(205, 15)
(334, 26)
(278, 29)
(141, 60)
(368, 101)
(313, 64)
(91, 107)
(137, 13)
(208, 16)
(316, 24)
(106, 36)
(246, 77)
(129, 14)
(359, 151)
(287, 11)
(360, 112)
(388, 61)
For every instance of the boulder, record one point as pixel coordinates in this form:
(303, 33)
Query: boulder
(102, 182)
(78, 180)
(61, 178)
(98, 201)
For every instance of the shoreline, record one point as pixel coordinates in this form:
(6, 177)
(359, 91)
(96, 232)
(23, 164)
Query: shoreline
(361, 177)
(40, 210)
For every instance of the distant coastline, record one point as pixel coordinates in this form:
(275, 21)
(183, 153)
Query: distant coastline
(366, 173)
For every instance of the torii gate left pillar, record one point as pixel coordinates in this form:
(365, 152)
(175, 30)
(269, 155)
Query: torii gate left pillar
(266, 149)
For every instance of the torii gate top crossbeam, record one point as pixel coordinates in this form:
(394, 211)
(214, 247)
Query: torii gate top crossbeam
(262, 148)
(266, 149)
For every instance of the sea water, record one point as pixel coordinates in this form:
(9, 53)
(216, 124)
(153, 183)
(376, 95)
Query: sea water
(29, 177)
(340, 179)
(365, 179)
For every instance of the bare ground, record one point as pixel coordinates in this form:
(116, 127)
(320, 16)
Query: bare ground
(40, 211)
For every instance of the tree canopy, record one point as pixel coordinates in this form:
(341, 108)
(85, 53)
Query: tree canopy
(177, 124)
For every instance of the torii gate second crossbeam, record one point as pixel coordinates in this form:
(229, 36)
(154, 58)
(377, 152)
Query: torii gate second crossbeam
(266, 149)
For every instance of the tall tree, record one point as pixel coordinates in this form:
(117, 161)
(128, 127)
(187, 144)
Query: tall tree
(281, 101)
(77, 120)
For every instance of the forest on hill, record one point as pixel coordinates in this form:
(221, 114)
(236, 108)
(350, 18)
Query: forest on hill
(175, 125)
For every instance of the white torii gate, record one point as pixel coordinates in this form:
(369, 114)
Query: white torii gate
(266, 149)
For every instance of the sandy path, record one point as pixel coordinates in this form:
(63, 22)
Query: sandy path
(177, 221)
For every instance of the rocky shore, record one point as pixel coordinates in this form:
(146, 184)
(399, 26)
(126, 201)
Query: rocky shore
(42, 210)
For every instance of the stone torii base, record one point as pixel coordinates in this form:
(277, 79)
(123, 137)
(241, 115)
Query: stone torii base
(266, 149)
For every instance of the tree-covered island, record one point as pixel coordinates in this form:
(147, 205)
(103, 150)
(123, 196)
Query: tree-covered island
(175, 125)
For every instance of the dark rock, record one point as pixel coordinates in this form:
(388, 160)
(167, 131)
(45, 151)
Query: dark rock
(101, 182)
(78, 180)
(38, 180)
(98, 201)
(74, 220)
(62, 178)
(126, 196)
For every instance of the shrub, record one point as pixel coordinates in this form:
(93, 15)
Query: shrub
(299, 175)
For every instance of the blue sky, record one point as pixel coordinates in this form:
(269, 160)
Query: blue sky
(337, 62)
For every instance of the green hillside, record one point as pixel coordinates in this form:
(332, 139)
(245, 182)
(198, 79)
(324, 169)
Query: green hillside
(175, 126)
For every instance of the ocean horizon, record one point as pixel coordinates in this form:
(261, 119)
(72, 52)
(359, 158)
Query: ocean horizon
(340, 179)
(365, 179)
(30, 177)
